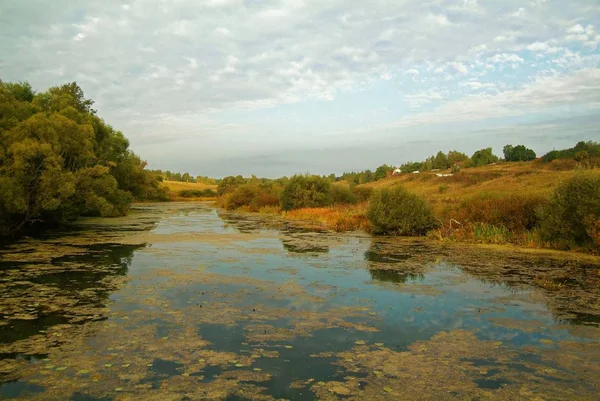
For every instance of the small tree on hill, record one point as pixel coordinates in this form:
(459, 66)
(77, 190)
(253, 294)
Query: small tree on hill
(518, 153)
(483, 157)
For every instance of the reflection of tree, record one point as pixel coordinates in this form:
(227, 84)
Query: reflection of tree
(247, 223)
(394, 276)
(73, 288)
(299, 241)
(395, 261)
(569, 285)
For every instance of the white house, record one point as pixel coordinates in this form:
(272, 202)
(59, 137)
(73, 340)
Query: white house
(397, 172)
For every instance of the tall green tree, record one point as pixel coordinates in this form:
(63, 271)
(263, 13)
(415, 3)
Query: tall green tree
(59, 160)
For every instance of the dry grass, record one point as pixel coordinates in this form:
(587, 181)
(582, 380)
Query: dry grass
(501, 179)
(338, 217)
(176, 186)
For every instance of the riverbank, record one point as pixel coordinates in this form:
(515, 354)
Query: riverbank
(527, 204)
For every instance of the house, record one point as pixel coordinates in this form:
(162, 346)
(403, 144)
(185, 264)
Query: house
(397, 172)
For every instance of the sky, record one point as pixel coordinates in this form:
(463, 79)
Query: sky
(277, 87)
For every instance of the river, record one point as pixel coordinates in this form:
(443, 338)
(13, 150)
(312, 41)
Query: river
(181, 301)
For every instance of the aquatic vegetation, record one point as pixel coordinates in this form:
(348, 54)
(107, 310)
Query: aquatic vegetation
(177, 301)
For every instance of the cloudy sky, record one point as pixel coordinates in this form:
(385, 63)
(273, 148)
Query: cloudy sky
(274, 87)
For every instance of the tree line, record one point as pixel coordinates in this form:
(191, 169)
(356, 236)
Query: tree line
(59, 160)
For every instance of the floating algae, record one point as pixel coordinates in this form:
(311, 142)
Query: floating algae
(176, 301)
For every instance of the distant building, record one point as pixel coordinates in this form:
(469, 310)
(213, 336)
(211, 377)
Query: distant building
(397, 172)
(416, 172)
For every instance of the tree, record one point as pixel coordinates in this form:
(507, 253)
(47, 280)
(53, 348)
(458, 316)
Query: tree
(59, 160)
(441, 161)
(456, 157)
(382, 171)
(518, 153)
(484, 156)
(306, 191)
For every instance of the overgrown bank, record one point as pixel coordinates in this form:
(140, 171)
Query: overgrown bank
(59, 160)
(530, 204)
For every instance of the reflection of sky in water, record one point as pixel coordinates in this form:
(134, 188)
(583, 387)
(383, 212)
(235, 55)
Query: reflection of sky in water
(404, 307)
(442, 298)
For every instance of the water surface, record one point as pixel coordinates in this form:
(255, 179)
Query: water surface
(185, 302)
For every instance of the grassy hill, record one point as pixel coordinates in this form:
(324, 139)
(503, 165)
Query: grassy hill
(499, 180)
(495, 204)
(176, 187)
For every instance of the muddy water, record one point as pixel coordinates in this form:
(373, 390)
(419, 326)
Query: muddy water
(184, 302)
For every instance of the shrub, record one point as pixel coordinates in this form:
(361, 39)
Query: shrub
(362, 193)
(396, 211)
(571, 217)
(515, 212)
(306, 191)
(251, 196)
(343, 195)
(197, 193)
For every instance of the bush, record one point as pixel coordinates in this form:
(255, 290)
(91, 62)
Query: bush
(251, 196)
(515, 212)
(342, 194)
(306, 191)
(396, 211)
(571, 217)
(363, 193)
(197, 193)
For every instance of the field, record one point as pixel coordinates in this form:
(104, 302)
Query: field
(176, 186)
(521, 178)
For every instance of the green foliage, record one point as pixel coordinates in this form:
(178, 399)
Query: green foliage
(518, 153)
(483, 157)
(491, 234)
(409, 167)
(382, 171)
(441, 161)
(456, 157)
(59, 161)
(572, 216)
(229, 184)
(306, 191)
(343, 195)
(396, 211)
(583, 151)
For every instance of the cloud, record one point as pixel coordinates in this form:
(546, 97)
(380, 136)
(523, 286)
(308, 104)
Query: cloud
(543, 47)
(546, 93)
(213, 67)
